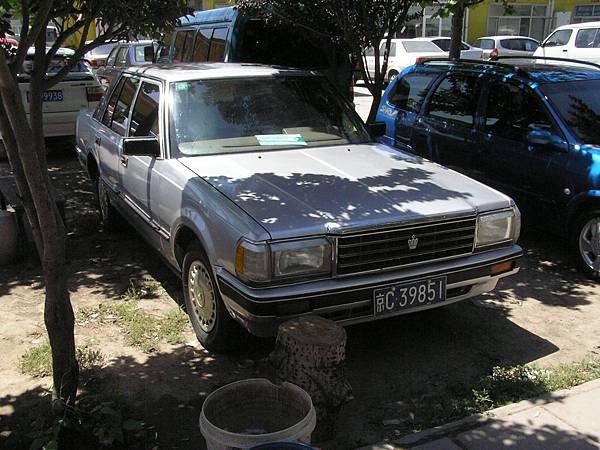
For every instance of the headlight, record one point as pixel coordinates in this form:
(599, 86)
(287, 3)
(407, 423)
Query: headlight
(261, 262)
(498, 227)
(301, 258)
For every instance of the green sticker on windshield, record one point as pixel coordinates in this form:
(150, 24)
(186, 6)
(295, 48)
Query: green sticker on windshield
(182, 86)
(280, 139)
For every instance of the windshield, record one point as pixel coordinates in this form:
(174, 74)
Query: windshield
(55, 65)
(259, 114)
(578, 103)
(420, 46)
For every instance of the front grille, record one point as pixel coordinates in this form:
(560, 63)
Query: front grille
(390, 248)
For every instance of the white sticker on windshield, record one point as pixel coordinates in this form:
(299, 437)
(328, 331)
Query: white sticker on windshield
(280, 139)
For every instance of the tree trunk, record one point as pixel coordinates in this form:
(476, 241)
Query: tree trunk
(26, 151)
(374, 106)
(310, 352)
(457, 28)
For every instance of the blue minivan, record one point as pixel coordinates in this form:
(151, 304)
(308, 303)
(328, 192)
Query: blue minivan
(530, 130)
(230, 35)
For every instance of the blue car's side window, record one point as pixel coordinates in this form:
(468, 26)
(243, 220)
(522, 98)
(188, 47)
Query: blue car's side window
(409, 92)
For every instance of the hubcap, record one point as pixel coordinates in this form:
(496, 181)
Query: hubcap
(202, 295)
(103, 200)
(589, 244)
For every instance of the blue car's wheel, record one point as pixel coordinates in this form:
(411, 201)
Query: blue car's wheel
(587, 231)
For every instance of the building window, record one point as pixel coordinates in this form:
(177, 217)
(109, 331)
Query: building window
(426, 23)
(527, 20)
(586, 13)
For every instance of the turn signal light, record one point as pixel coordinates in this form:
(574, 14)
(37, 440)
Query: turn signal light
(502, 267)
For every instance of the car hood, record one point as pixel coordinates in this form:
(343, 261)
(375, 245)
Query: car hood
(325, 190)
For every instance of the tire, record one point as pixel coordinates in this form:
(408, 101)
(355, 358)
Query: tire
(392, 76)
(585, 243)
(109, 217)
(214, 327)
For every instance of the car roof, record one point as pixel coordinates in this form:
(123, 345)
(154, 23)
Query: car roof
(523, 69)
(201, 71)
(579, 25)
(507, 36)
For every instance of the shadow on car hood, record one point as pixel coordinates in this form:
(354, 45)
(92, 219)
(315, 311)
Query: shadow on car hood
(319, 190)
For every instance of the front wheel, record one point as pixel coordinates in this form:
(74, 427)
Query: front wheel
(213, 325)
(392, 76)
(586, 243)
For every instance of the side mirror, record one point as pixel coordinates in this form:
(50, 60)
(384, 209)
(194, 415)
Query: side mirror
(141, 146)
(543, 138)
(149, 53)
(376, 129)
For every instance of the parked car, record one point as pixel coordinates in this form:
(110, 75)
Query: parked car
(466, 52)
(494, 46)
(126, 54)
(403, 53)
(78, 90)
(230, 35)
(228, 171)
(97, 57)
(530, 131)
(579, 41)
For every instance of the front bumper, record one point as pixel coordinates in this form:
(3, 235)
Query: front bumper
(349, 300)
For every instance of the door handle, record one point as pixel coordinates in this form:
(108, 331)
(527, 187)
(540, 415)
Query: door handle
(565, 50)
(124, 161)
(98, 140)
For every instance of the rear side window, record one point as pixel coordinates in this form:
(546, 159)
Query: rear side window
(112, 57)
(165, 49)
(144, 120)
(123, 106)
(523, 45)
(217, 45)
(184, 41)
(121, 57)
(110, 109)
(588, 38)
(485, 44)
(513, 111)
(202, 45)
(455, 100)
(558, 38)
(409, 91)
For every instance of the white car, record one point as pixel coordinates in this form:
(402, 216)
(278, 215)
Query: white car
(80, 89)
(403, 53)
(576, 41)
(97, 56)
(494, 46)
(466, 52)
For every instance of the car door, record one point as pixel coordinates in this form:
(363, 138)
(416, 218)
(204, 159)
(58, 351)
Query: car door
(507, 160)
(486, 45)
(405, 100)
(587, 45)
(110, 137)
(135, 172)
(446, 130)
(557, 44)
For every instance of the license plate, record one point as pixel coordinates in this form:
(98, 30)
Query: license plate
(50, 96)
(391, 299)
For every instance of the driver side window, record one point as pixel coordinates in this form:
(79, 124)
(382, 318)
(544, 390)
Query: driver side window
(513, 111)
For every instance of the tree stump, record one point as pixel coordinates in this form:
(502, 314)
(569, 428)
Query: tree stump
(310, 352)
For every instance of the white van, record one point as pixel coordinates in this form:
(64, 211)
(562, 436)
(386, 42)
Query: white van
(576, 41)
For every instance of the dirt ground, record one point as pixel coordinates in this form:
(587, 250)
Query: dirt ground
(546, 314)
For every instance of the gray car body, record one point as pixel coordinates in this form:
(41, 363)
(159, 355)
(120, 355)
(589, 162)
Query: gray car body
(278, 195)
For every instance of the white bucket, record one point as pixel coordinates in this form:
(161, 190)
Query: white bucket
(255, 411)
(8, 237)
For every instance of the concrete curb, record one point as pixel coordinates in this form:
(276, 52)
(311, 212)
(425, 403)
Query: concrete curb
(478, 420)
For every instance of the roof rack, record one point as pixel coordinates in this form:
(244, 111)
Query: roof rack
(484, 62)
(550, 58)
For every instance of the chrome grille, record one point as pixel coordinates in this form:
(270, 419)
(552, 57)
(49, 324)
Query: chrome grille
(390, 248)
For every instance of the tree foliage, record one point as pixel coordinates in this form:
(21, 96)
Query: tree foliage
(353, 25)
(23, 135)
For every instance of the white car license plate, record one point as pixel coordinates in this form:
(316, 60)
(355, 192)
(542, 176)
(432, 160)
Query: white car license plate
(391, 299)
(55, 95)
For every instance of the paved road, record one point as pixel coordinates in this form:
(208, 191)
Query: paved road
(362, 100)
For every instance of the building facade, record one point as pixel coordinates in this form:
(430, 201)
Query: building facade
(533, 18)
